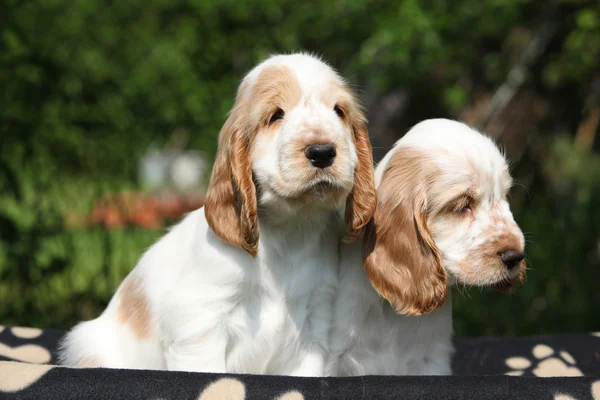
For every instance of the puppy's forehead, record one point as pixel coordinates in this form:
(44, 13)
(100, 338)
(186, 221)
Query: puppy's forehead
(311, 73)
(463, 157)
(453, 141)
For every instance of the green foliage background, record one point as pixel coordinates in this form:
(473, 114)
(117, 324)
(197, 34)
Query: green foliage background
(88, 85)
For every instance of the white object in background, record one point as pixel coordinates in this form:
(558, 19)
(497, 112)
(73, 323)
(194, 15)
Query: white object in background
(187, 170)
(154, 168)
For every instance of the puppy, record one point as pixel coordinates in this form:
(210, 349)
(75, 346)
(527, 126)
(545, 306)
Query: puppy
(442, 218)
(245, 284)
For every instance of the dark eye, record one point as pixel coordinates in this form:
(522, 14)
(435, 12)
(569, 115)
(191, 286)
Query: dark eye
(277, 116)
(465, 209)
(339, 111)
(463, 206)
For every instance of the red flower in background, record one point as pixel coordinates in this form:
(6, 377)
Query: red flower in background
(144, 210)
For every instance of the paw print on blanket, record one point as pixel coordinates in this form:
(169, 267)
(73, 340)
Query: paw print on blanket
(27, 350)
(233, 389)
(15, 376)
(595, 393)
(545, 362)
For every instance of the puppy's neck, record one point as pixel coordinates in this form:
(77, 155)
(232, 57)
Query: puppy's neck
(303, 220)
(304, 235)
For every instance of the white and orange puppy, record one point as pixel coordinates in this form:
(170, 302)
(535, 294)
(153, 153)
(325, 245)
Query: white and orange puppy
(246, 284)
(442, 218)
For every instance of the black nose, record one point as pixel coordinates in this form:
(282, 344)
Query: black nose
(512, 258)
(320, 155)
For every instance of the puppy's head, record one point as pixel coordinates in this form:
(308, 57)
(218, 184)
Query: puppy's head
(442, 217)
(295, 139)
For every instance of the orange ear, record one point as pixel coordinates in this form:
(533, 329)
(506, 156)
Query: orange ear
(361, 203)
(401, 259)
(230, 205)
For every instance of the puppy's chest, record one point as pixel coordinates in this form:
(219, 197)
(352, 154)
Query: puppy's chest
(385, 343)
(276, 304)
(275, 318)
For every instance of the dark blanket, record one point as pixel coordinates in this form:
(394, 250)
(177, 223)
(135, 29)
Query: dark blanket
(484, 368)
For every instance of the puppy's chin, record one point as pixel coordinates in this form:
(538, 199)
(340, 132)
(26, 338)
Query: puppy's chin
(315, 187)
(493, 276)
(315, 195)
(507, 285)
(323, 193)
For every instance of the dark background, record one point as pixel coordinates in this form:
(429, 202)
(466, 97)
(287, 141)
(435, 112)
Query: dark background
(89, 86)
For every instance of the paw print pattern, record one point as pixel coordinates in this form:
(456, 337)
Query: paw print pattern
(28, 352)
(21, 376)
(595, 393)
(546, 362)
(233, 389)
(596, 390)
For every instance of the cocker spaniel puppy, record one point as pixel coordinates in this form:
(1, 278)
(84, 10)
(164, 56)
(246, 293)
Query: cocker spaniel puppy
(442, 218)
(245, 284)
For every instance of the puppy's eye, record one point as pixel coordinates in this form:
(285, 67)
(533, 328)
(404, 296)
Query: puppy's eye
(463, 206)
(279, 114)
(339, 111)
(465, 209)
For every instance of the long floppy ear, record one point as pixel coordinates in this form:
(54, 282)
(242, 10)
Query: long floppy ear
(361, 203)
(230, 205)
(401, 259)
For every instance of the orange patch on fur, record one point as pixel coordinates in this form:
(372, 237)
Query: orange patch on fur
(231, 205)
(501, 243)
(134, 309)
(275, 87)
(362, 201)
(402, 261)
(495, 247)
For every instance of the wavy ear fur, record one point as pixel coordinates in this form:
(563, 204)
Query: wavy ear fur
(401, 259)
(230, 205)
(360, 205)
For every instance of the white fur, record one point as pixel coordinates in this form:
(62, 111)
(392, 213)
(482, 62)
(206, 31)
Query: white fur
(368, 337)
(216, 309)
